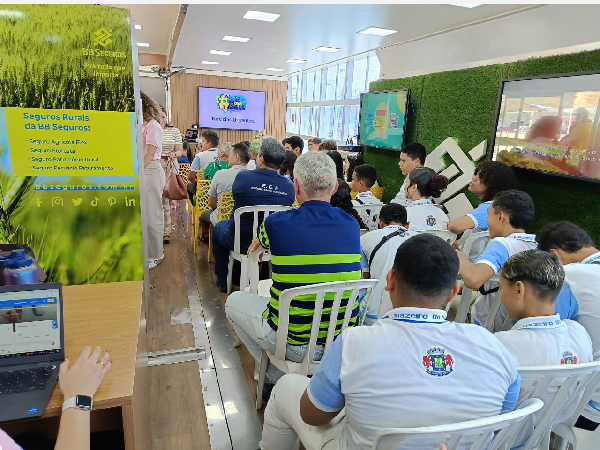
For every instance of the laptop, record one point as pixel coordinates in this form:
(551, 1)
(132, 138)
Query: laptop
(31, 348)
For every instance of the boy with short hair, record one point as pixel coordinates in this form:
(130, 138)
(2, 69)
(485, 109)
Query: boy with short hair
(411, 156)
(377, 252)
(529, 285)
(510, 213)
(581, 260)
(363, 179)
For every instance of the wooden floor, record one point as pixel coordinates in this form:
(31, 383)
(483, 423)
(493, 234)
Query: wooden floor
(177, 408)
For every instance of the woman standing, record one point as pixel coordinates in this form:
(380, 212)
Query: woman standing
(154, 175)
(172, 148)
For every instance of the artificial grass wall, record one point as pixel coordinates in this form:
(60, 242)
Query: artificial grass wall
(462, 104)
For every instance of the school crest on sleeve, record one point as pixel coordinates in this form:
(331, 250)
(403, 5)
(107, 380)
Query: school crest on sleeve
(430, 221)
(568, 358)
(438, 362)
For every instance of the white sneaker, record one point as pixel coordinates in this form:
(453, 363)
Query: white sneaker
(153, 263)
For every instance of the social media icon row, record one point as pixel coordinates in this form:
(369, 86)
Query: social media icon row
(60, 202)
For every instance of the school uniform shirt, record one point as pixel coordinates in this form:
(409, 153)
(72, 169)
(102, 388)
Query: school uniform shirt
(365, 198)
(203, 159)
(400, 197)
(423, 215)
(383, 261)
(496, 252)
(413, 368)
(581, 286)
(479, 216)
(545, 341)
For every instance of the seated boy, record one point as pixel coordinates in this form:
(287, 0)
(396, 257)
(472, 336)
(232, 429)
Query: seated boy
(411, 368)
(509, 214)
(581, 260)
(378, 250)
(529, 284)
(363, 179)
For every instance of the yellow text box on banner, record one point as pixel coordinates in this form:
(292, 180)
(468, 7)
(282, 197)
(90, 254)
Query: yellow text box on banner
(67, 142)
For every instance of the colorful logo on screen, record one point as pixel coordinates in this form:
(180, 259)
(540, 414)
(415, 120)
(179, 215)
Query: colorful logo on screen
(230, 103)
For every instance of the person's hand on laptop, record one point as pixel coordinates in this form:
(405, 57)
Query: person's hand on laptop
(87, 373)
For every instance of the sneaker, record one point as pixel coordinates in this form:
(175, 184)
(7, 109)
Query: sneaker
(221, 287)
(153, 263)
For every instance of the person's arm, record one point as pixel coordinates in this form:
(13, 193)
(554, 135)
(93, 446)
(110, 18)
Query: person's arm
(83, 378)
(149, 152)
(461, 225)
(474, 275)
(323, 399)
(178, 149)
(212, 202)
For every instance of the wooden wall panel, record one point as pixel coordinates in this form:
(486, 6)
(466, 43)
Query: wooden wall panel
(184, 103)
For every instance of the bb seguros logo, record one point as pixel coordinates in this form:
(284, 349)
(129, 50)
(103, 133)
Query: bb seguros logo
(102, 37)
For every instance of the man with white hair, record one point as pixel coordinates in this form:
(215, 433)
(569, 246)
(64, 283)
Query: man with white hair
(315, 243)
(263, 186)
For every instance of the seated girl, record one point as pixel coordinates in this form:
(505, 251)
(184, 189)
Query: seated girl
(423, 183)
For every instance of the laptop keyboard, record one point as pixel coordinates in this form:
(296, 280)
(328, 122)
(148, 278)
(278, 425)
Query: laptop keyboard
(24, 380)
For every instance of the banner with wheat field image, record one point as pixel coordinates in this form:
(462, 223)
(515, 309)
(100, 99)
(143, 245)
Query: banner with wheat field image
(69, 182)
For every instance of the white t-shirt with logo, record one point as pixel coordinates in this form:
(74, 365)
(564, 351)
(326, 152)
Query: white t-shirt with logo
(582, 284)
(545, 341)
(412, 368)
(496, 252)
(365, 198)
(400, 197)
(382, 263)
(423, 215)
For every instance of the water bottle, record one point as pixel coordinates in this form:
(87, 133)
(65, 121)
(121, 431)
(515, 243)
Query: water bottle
(19, 269)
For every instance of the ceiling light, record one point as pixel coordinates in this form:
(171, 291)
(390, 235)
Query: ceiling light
(375, 31)
(274, 69)
(236, 39)
(219, 52)
(297, 61)
(257, 15)
(138, 27)
(143, 44)
(465, 5)
(327, 49)
(210, 62)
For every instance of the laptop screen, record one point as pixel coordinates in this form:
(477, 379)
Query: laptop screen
(30, 323)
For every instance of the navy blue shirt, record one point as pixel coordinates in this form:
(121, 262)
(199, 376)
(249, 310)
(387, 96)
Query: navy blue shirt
(258, 187)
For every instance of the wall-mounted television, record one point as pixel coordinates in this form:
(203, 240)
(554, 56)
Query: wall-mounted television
(549, 124)
(382, 119)
(231, 109)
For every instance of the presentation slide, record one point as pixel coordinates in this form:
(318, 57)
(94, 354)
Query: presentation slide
(231, 109)
(382, 117)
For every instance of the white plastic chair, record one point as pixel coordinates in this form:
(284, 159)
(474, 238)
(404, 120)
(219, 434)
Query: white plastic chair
(369, 214)
(566, 432)
(474, 243)
(480, 431)
(474, 240)
(235, 254)
(446, 235)
(308, 364)
(574, 384)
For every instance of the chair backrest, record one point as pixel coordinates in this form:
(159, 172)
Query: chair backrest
(225, 205)
(184, 171)
(574, 384)
(480, 431)
(475, 242)
(446, 235)
(337, 289)
(202, 196)
(369, 214)
(259, 214)
(378, 192)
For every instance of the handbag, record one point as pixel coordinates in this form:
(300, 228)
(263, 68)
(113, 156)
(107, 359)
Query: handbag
(175, 188)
